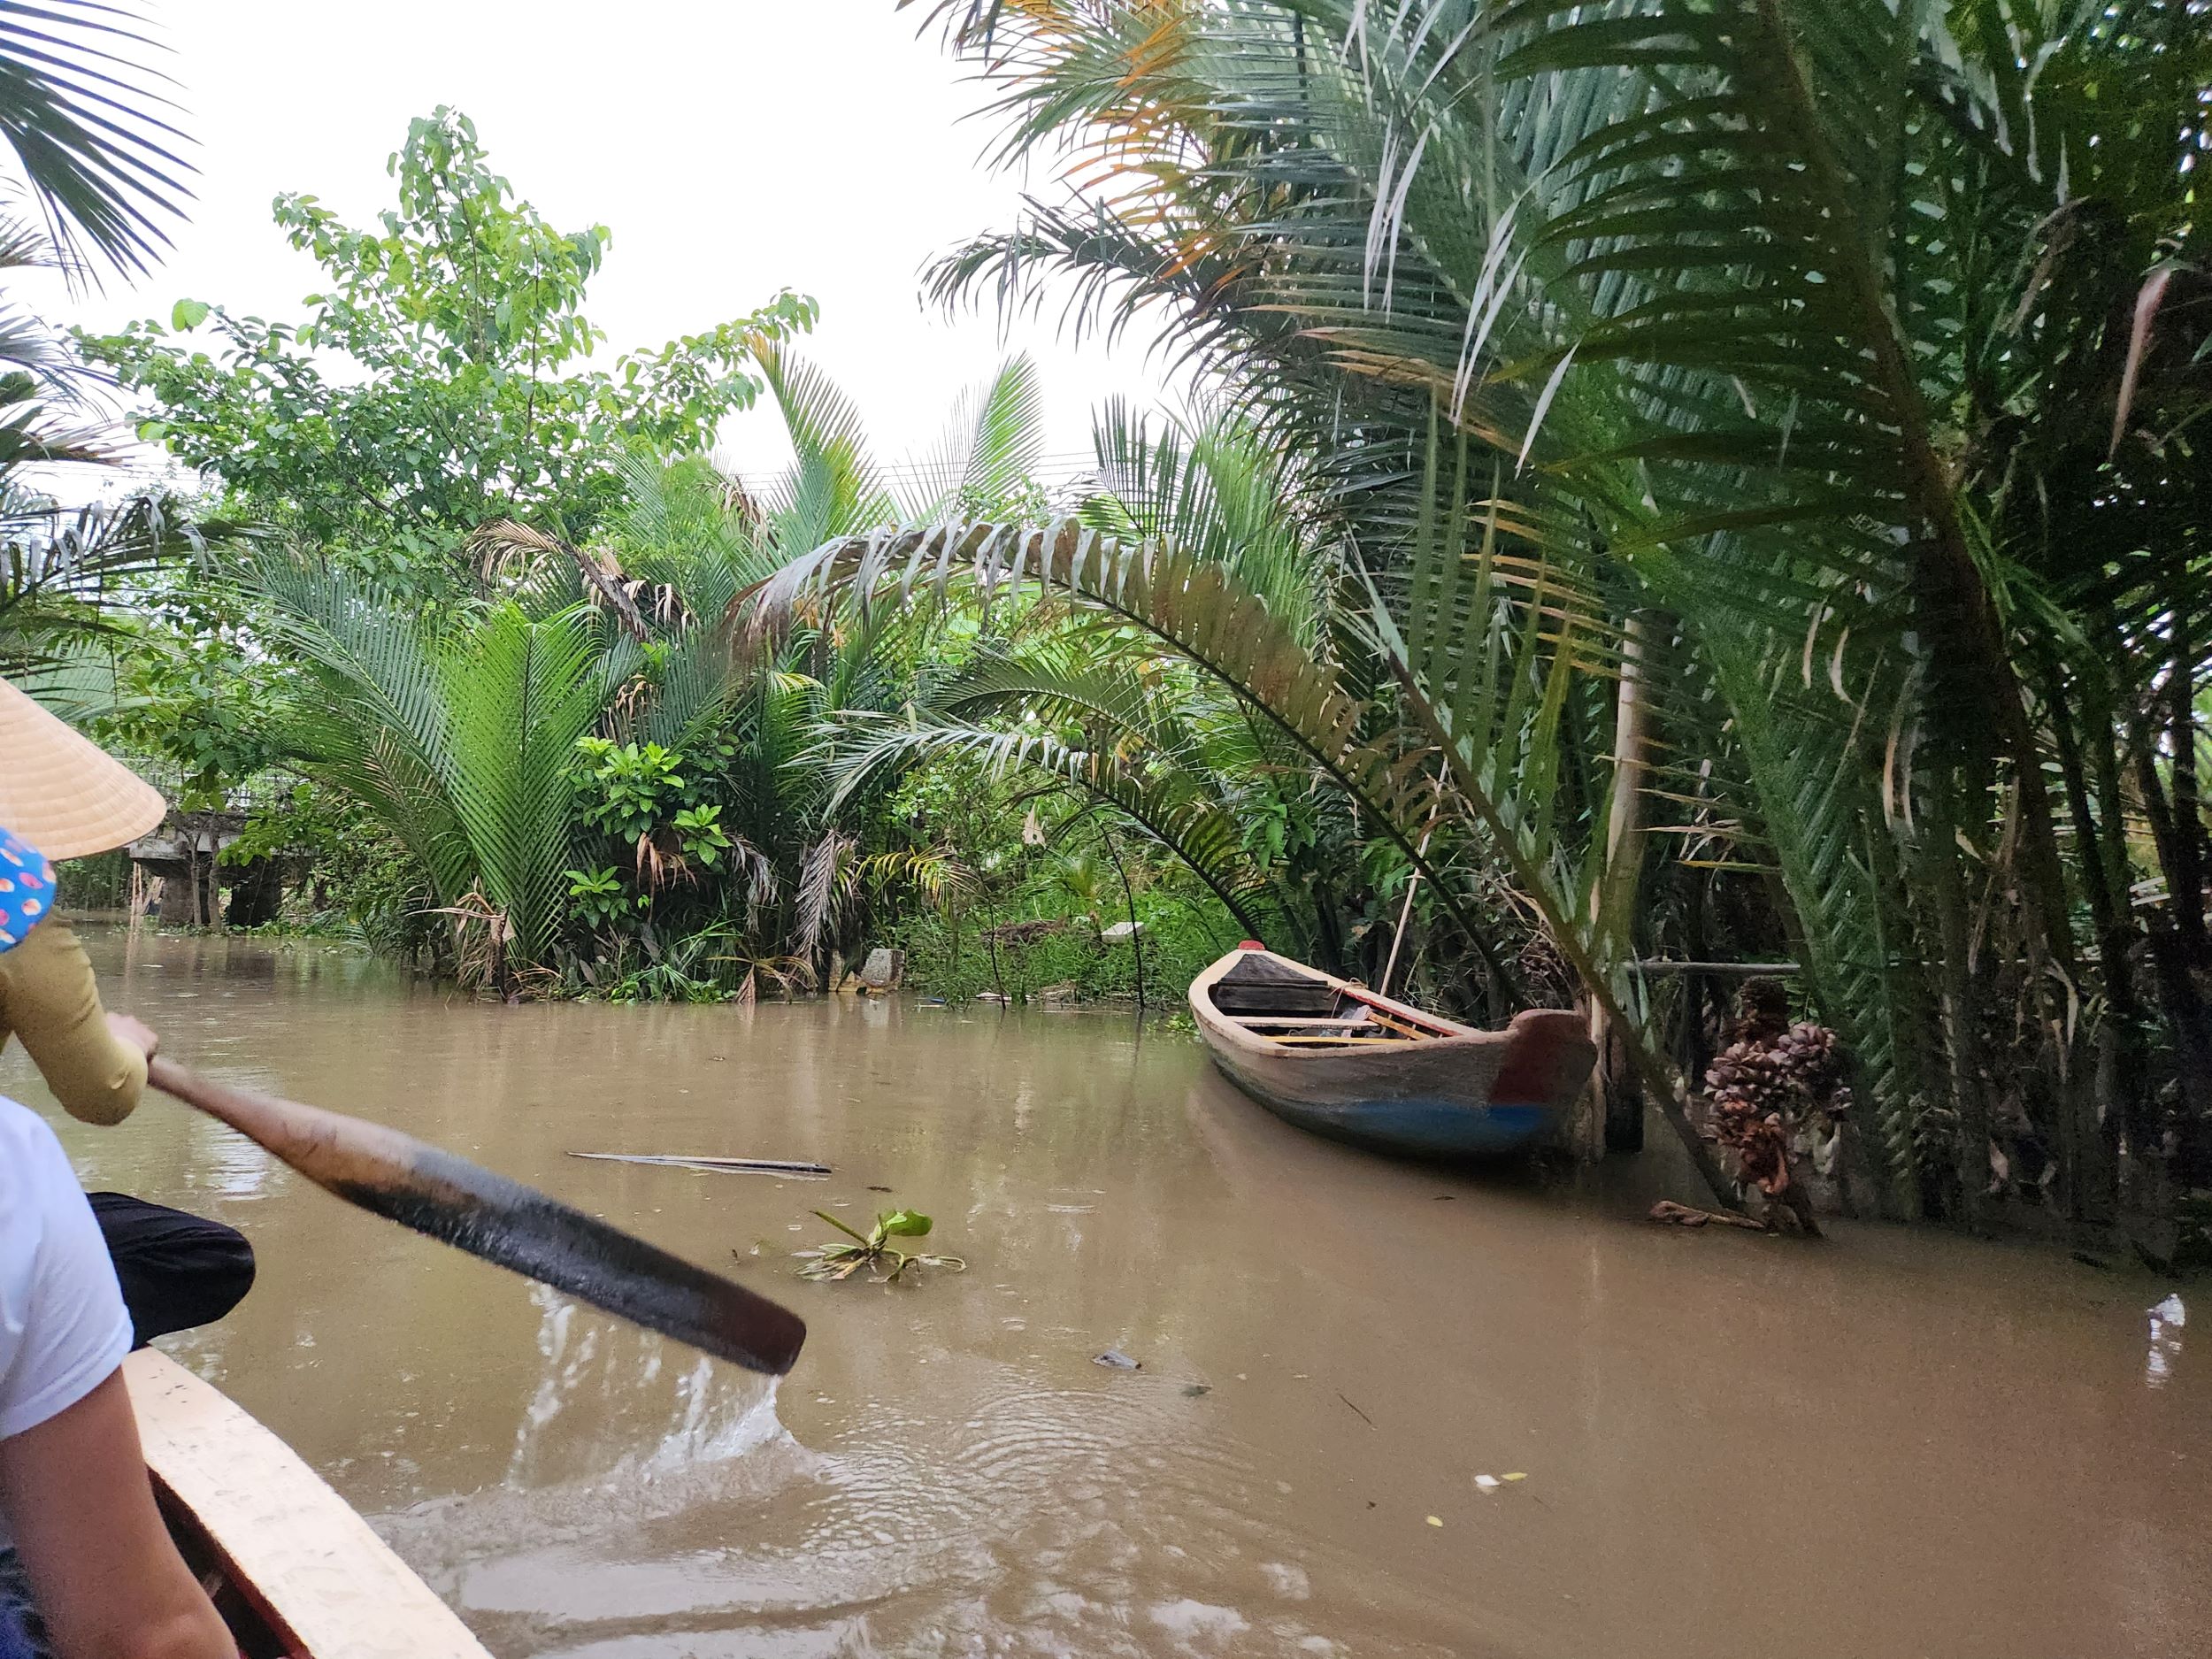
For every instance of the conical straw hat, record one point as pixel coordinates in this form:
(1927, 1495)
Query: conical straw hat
(62, 793)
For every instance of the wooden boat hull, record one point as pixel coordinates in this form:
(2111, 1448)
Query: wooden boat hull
(1456, 1094)
(294, 1571)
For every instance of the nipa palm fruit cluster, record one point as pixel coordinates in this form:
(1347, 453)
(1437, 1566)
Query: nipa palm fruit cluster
(1768, 1078)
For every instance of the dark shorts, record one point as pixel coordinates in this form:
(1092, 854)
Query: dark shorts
(176, 1270)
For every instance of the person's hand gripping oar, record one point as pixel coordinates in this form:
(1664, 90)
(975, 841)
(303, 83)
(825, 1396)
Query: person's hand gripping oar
(489, 1216)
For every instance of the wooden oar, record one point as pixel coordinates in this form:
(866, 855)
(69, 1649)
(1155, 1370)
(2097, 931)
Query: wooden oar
(449, 1198)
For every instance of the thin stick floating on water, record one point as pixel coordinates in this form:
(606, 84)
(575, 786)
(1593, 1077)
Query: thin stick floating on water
(734, 1167)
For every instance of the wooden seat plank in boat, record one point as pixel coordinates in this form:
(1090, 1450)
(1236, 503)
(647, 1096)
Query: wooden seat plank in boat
(1420, 1086)
(321, 1581)
(1381, 1007)
(1405, 1030)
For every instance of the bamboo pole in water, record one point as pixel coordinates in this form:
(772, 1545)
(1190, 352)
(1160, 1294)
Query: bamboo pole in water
(1405, 910)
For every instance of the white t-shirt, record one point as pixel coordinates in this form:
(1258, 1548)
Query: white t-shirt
(63, 1326)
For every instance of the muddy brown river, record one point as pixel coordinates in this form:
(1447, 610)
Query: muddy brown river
(1895, 1444)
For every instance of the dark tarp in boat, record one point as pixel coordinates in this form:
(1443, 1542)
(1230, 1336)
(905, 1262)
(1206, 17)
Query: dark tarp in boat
(1261, 984)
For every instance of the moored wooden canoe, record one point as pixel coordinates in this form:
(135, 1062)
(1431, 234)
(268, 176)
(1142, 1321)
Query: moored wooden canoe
(1337, 1059)
(293, 1569)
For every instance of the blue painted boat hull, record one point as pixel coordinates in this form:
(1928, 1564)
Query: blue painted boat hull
(1443, 1130)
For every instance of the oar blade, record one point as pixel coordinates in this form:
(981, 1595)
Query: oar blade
(519, 1227)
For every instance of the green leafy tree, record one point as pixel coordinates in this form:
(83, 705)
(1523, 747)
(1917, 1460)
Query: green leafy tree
(630, 787)
(189, 696)
(441, 379)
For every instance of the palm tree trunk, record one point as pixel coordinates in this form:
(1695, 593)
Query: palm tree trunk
(1976, 686)
(1961, 1010)
(1405, 915)
(1617, 1105)
(2122, 1093)
(998, 979)
(2177, 933)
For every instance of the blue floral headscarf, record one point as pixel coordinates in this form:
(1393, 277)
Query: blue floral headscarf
(27, 890)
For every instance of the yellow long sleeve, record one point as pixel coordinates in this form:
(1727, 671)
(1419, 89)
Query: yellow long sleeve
(51, 1002)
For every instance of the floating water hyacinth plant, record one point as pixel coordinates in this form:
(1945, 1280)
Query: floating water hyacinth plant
(873, 1249)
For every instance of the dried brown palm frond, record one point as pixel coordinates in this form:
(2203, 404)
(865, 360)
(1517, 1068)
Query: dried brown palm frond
(829, 875)
(787, 974)
(483, 937)
(660, 861)
(630, 702)
(740, 502)
(504, 548)
(757, 871)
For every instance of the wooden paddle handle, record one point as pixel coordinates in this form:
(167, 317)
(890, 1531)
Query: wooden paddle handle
(335, 1152)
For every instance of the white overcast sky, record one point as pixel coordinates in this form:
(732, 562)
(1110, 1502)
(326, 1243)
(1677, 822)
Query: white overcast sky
(735, 147)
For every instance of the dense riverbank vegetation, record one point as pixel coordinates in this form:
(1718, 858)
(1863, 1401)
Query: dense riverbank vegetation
(1690, 482)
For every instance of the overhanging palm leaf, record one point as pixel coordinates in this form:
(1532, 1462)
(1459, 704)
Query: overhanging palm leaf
(76, 104)
(1168, 796)
(62, 572)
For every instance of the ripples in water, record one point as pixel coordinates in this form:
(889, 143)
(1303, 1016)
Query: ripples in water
(1034, 1520)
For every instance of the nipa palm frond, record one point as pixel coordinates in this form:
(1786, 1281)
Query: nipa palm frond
(519, 694)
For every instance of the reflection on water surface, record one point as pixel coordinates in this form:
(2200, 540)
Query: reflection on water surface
(1898, 1444)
